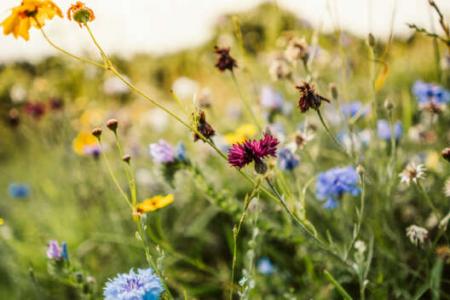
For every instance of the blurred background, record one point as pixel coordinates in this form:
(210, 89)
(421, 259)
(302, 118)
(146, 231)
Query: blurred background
(160, 26)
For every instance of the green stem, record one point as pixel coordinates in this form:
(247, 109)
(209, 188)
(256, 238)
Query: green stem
(427, 197)
(245, 102)
(330, 134)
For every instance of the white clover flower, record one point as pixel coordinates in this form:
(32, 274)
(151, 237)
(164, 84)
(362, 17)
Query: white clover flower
(417, 235)
(413, 173)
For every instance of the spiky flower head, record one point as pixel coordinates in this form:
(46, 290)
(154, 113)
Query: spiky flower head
(203, 127)
(224, 60)
(287, 160)
(141, 284)
(309, 98)
(297, 49)
(412, 172)
(417, 235)
(249, 151)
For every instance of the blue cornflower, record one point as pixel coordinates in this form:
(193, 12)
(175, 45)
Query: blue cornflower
(18, 190)
(287, 160)
(352, 108)
(141, 284)
(271, 99)
(384, 130)
(428, 92)
(334, 183)
(265, 266)
(180, 152)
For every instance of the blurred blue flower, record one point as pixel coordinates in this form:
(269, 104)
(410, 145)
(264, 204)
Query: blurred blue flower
(265, 266)
(334, 183)
(162, 152)
(352, 108)
(428, 92)
(287, 160)
(180, 152)
(384, 130)
(57, 252)
(141, 284)
(270, 99)
(18, 190)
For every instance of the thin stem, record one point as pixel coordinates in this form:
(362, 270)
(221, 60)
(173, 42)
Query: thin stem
(427, 197)
(236, 231)
(82, 59)
(245, 102)
(360, 216)
(128, 172)
(330, 134)
(111, 173)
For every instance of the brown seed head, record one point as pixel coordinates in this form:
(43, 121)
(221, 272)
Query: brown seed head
(97, 132)
(112, 124)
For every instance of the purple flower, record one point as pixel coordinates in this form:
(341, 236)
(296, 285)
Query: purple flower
(57, 252)
(240, 155)
(384, 130)
(162, 152)
(334, 183)
(270, 99)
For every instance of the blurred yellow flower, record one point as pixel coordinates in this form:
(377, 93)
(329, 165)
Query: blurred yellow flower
(84, 143)
(30, 13)
(154, 203)
(241, 134)
(2, 221)
(80, 13)
(432, 160)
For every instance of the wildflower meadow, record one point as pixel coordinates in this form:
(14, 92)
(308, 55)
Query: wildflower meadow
(275, 161)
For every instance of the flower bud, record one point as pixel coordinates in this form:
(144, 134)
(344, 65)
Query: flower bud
(371, 40)
(446, 154)
(388, 105)
(334, 91)
(360, 169)
(80, 13)
(126, 158)
(97, 132)
(112, 125)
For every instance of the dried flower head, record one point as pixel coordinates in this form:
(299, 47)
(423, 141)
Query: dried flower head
(203, 127)
(417, 235)
(297, 49)
(413, 173)
(279, 68)
(309, 98)
(97, 132)
(224, 60)
(30, 13)
(80, 13)
(243, 154)
(302, 138)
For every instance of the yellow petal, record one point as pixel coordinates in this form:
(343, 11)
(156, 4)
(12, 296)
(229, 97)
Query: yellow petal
(154, 203)
(2, 221)
(83, 140)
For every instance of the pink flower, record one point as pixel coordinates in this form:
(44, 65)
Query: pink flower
(241, 155)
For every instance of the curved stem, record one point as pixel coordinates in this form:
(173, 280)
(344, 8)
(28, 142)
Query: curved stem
(330, 134)
(82, 59)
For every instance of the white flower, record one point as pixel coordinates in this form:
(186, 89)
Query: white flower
(185, 88)
(360, 246)
(413, 173)
(417, 235)
(447, 188)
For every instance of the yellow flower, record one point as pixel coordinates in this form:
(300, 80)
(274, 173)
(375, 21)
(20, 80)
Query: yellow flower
(241, 134)
(30, 13)
(2, 221)
(154, 203)
(432, 160)
(84, 143)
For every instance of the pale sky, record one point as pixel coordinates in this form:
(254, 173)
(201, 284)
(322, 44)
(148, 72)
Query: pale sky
(159, 26)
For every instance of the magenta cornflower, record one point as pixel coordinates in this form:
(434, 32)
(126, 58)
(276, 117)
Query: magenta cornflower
(243, 154)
